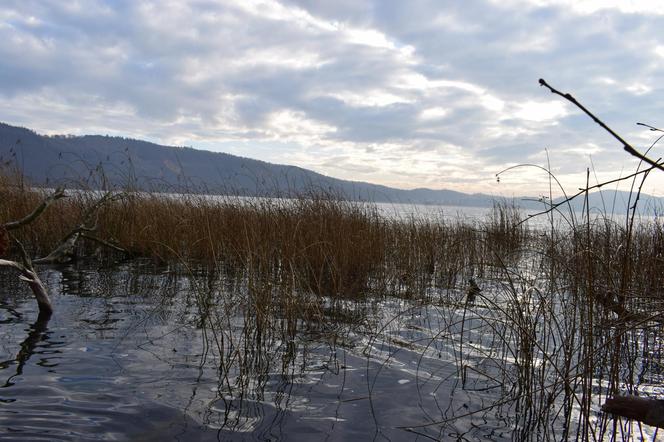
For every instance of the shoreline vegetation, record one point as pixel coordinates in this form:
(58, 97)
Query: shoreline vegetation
(576, 310)
(318, 242)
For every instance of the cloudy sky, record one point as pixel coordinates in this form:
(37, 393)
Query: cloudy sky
(417, 93)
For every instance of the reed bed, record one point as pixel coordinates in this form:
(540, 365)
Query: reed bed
(568, 316)
(577, 320)
(317, 242)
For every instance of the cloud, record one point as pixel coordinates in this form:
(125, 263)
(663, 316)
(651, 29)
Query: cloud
(418, 93)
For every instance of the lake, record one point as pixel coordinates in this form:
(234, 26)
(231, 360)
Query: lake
(125, 358)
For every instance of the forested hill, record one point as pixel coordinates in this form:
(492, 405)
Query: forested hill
(149, 166)
(71, 159)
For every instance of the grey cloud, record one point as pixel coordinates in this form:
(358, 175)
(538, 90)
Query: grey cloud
(123, 54)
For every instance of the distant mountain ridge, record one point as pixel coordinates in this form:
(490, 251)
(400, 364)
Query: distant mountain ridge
(50, 160)
(149, 166)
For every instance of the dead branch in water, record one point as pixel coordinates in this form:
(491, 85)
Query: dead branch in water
(64, 251)
(29, 275)
(25, 267)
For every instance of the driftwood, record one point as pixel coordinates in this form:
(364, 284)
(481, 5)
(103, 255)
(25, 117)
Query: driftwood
(64, 252)
(28, 274)
(647, 410)
(26, 271)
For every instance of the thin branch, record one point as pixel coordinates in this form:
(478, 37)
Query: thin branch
(628, 147)
(652, 128)
(56, 195)
(105, 243)
(64, 251)
(554, 206)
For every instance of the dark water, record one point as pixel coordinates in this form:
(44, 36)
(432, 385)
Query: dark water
(135, 352)
(125, 358)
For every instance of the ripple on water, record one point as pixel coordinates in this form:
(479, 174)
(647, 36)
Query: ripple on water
(48, 413)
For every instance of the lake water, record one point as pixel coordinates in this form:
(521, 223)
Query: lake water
(126, 357)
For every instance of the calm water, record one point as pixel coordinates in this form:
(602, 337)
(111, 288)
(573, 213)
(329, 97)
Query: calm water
(125, 358)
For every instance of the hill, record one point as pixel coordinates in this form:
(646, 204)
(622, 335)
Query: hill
(69, 160)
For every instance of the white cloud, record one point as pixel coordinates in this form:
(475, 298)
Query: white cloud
(540, 111)
(292, 58)
(639, 88)
(377, 98)
(659, 50)
(433, 113)
(411, 94)
(593, 6)
(287, 125)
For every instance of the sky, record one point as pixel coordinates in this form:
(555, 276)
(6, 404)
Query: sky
(417, 93)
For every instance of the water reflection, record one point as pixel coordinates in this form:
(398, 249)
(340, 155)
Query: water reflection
(141, 352)
(36, 333)
(223, 356)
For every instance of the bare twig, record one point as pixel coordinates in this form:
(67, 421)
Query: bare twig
(65, 250)
(628, 147)
(56, 195)
(652, 128)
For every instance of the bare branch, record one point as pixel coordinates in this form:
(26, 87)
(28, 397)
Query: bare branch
(28, 274)
(628, 147)
(56, 195)
(652, 128)
(65, 250)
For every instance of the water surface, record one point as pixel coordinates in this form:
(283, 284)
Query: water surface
(138, 352)
(125, 358)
